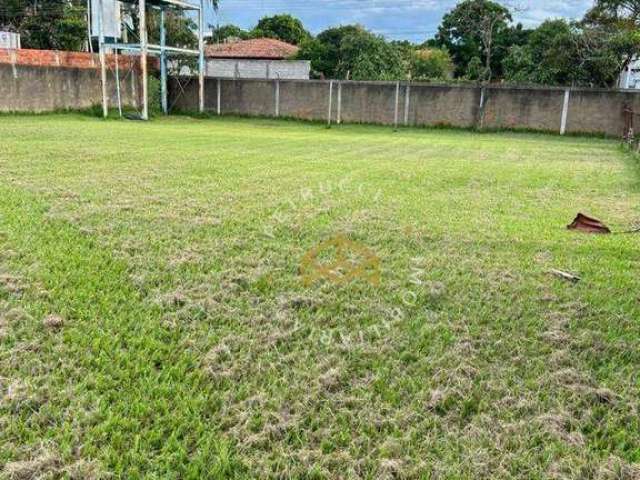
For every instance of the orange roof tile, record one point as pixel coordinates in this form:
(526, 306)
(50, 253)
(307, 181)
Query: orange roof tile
(257, 48)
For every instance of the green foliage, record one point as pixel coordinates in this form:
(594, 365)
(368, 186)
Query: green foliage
(155, 102)
(282, 27)
(615, 12)
(62, 24)
(549, 57)
(324, 50)
(222, 32)
(352, 52)
(478, 28)
(365, 56)
(70, 30)
(428, 64)
(619, 20)
(52, 24)
(563, 53)
(474, 69)
(181, 30)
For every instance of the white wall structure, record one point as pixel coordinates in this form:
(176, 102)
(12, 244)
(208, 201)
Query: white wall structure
(111, 18)
(258, 69)
(630, 77)
(9, 40)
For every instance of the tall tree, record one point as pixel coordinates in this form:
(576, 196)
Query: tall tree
(62, 24)
(366, 56)
(616, 11)
(282, 27)
(352, 52)
(431, 64)
(46, 24)
(476, 28)
(324, 50)
(619, 20)
(550, 57)
(578, 53)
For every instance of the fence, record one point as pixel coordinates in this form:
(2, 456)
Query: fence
(586, 111)
(35, 81)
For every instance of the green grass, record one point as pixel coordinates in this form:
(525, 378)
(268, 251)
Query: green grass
(191, 347)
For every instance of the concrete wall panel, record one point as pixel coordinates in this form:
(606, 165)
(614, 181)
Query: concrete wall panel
(433, 105)
(526, 108)
(39, 89)
(368, 102)
(306, 100)
(247, 97)
(599, 111)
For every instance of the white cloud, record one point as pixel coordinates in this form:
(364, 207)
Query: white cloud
(411, 19)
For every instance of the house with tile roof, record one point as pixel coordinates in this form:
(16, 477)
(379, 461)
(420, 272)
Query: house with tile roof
(260, 58)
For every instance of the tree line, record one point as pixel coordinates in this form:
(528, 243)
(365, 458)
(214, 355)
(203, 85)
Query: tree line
(477, 40)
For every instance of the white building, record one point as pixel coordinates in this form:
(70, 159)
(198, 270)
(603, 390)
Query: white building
(9, 40)
(261, 58)
(630, 77)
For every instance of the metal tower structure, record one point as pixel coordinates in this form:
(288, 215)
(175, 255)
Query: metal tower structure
(144, 48)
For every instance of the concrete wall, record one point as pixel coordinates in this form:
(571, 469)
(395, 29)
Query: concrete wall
(589, 111)
(600, 111)
(35, 81)
(527, 108)
(26, 88)
(442, 105)
(259, 69)
(45, 80)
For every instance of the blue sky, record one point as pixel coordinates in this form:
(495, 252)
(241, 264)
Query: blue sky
(396, 19)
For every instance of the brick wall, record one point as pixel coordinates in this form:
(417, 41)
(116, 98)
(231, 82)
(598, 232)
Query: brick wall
(62, 59)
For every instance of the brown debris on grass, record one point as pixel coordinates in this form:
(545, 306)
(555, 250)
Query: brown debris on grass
(53, 322)
(584, 223)
(615, 468)
(14, 392)
(11, 284)
(562, 426)
(44, 466)
(47, 465)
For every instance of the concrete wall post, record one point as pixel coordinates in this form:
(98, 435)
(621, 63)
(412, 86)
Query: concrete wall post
(565, 112)
(396, 111)
(219, 95)
(339, 113)
(330, 103)
(407, 100)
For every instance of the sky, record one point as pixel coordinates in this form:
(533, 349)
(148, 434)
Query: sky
(414, 20)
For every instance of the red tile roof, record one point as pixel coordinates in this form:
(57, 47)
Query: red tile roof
(257, 48)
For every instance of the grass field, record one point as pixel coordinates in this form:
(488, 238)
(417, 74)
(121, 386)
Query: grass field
(160, 318)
